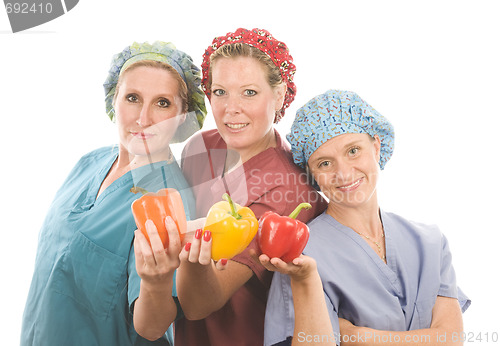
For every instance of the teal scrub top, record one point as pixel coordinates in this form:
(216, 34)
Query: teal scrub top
(85, 282)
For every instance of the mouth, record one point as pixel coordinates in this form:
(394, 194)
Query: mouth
(142, 135)
(236, 126)
(351, 186)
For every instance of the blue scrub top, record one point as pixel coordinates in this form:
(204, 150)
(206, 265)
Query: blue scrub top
(361, 288)
(85, 281)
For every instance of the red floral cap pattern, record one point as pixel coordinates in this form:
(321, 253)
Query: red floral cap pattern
(265, 42)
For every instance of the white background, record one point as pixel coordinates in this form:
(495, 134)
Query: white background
(431, 67)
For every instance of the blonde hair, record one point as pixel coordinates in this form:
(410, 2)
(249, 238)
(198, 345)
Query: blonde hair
(183, 91)
(240, 49)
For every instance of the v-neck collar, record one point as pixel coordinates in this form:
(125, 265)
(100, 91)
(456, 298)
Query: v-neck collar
(132, 177)
(389, 269)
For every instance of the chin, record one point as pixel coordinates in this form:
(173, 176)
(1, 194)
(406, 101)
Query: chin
(235, 141)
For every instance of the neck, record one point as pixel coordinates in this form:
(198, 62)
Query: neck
(268, 141)
(364, 219)
(127, 161)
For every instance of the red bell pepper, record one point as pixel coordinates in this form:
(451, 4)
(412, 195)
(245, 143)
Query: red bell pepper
(283, 236)
(156, 207)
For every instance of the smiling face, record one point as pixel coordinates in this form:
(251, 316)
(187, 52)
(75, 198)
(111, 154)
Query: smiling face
(148, 111)
(244, 104)
(346, 169)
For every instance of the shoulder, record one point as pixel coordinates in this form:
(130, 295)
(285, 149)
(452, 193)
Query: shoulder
(278, 184)
(100, 153)
(322, 229)
(408, 233)
(281, 186)
(410, 227)
(95, 157)
(201, 141)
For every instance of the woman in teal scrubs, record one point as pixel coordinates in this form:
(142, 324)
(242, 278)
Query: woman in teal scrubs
(85, 286)
(380, 279)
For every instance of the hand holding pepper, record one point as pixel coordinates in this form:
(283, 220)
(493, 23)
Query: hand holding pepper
(232, 228)
(154, 263)
(300, 269)
(282, 236)
(155, 266)
(156, 207)
(228, 230)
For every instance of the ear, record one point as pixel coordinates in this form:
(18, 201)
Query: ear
(280, 96)
(377, 145)
(182, 118)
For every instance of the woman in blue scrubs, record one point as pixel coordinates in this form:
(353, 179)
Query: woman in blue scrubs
(86, 289)
(369, 276)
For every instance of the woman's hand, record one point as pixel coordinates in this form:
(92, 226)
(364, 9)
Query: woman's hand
(199, 250)
(155, 309)
(192, 227)
(154, 264)
(299, 269)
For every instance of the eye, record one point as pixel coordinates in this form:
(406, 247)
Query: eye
(218, 92)
(163, 103)
(324, 164)
(132, 98)
(250, 92)
(353, 151)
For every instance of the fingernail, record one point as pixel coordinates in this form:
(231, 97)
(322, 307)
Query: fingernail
(207, 236)
(223, 261)
(187, 247)
(198, 233)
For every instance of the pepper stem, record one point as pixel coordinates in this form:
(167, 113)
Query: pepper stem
(234, 213)
(297, 210)
(137, 189)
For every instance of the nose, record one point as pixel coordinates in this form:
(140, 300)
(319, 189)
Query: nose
(145, 116)
(233, 104)
(342, 171)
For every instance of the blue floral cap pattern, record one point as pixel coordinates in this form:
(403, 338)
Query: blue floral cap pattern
(165, 52)
(334, 113)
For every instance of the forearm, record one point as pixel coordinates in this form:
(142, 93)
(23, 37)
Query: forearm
(154, 310)
(429, 336)
(311, 314)
(445, 329)
(204, 289)
(199, 290)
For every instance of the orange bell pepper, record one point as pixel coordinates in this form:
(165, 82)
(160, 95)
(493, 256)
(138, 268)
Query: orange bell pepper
(233, 227)
(156, 207)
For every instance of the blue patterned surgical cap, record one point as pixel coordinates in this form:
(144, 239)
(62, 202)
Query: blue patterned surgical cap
(334, 113)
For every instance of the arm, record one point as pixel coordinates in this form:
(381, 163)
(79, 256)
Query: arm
(155, 309)
(445, 329)
(202, 286)
(311, 313)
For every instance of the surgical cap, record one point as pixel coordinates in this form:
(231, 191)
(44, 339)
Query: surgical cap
(332, 114)
(261, 39)
(165, 52)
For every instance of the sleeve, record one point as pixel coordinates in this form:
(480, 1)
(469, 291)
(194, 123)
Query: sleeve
(258, 207)
(262, 273)
(281, 205)
(279, 318)
(134, 285)
(134, 281)
(279, 322)
(283, 199)
(448, 287)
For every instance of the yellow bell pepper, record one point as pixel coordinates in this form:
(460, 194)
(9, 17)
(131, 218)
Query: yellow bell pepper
(232, 226)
